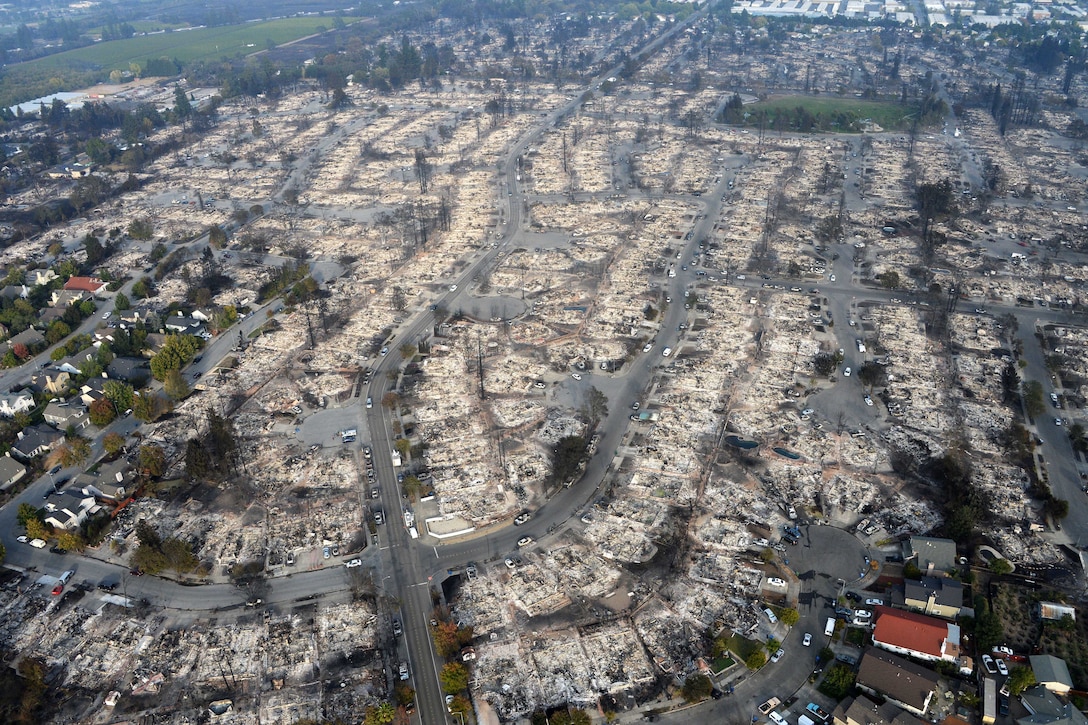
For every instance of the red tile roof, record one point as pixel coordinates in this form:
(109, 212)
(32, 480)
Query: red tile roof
(86, 284)
(910, 631)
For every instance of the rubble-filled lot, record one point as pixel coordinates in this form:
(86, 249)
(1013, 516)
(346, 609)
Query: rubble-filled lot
(614, 192)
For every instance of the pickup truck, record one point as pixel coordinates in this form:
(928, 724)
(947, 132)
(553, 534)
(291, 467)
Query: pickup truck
(769, 705)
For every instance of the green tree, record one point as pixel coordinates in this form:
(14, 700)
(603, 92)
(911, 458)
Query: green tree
(176, 351)
(142, 229)
(890, 279)
(73, 452)
(121, 302)
(696, 687)
(175, 385)
(101, 412)
(379, 714)
(27, 512)
(1032, 391)
(403, 694)
(119, 393)
(1020, 679)
(70, 541)
(453, 677)
(1000, 566)
(152, 460)
(143, 288)
(756, 660)
(838, 682)
(788, 617)
(149, 407)
(113, 442)
(872, 374)
(37, 529)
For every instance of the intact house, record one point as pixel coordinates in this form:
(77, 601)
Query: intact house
(133, 370)
(72, 363)
(65, 297)
(50, 381)
(34, 440)
(63, 415)
(11, 404)
(1045, 707)
(863, 711)
(916, 635)
(91, 285)
(185, 325)
(92, 390)
(941, 596)
(42, 276)
(29, 337)
(11, 471)
(1052, 673)
(931, 555)
(111, 482)
(68, 509)
(898, 680)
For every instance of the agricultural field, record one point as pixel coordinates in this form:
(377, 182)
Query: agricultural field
(92, 64)
(1018, 611)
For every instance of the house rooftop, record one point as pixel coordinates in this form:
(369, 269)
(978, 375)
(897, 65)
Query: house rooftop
(898, 678)
(916, 632)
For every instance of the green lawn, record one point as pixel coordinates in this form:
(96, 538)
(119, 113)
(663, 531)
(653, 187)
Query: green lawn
(833, 113)
(743, 648)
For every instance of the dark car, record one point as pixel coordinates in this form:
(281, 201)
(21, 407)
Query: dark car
(107, 587)
(135, 572)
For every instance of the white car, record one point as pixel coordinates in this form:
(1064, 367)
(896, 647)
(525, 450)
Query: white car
(106, 314)
(647, 347)
(807, 640)
(1003, 650)
(875, 602)
(453, 288)
(510, 563)
(449, 703)
(353, 563)
(869, 401)
(369, 402)
(778, 655)
(378, 518)
(576, 376)
(831, 278)
(522, 518)
(770, 616)
(776, 582)
(988, 663)
(846, 373)
(525, 541)
(1002, 667)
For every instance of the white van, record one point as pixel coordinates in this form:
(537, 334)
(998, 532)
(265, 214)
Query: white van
(777, 719)
(66, 576)
(666, 352)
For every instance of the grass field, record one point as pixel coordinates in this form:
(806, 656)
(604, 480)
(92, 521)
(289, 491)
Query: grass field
(835, 114)
(82, 67)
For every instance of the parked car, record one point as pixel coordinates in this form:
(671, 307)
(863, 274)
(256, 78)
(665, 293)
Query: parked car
(875, 602)
(988, 663)
(778, 655)
(1002, 667)
(522, 518)
(397, 631)
(525, 541)
(353, 563)
(326, 552)
(776, 581)
(770, 616)
(807, 641)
